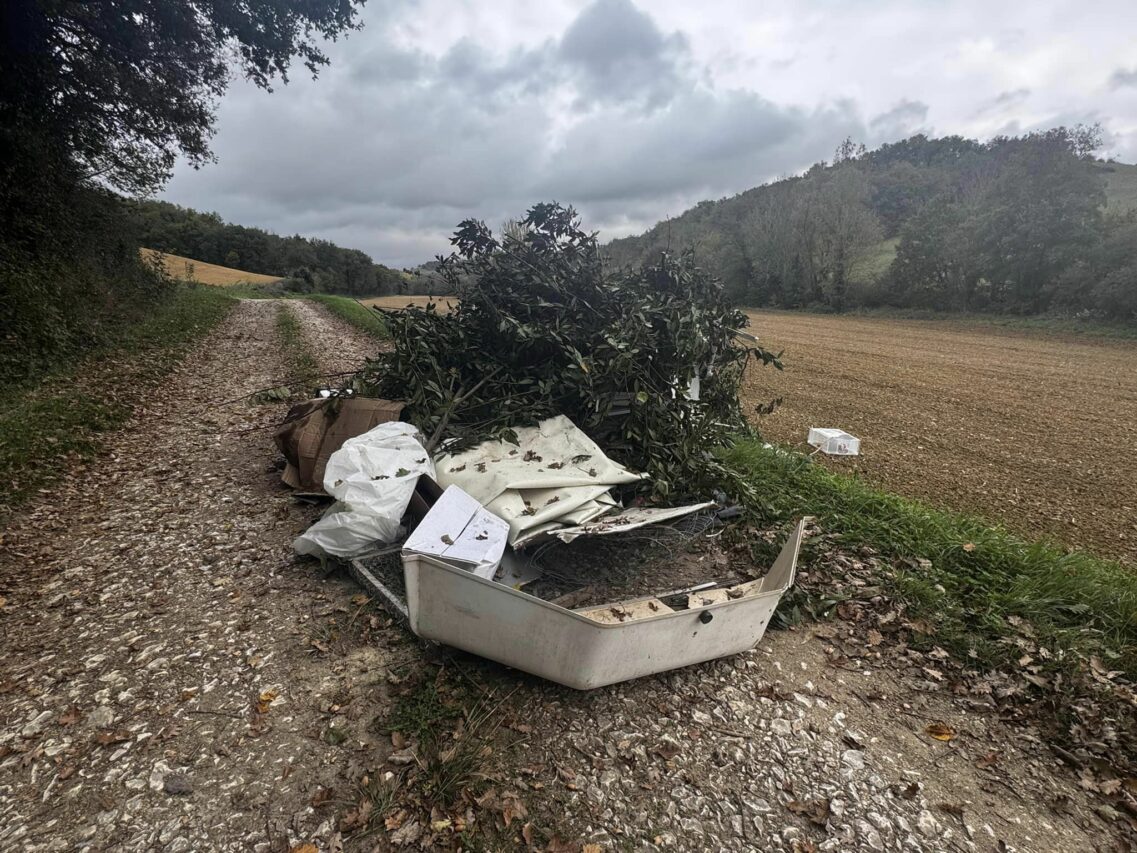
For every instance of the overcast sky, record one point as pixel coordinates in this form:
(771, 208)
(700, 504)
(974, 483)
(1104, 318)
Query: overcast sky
(633, 111)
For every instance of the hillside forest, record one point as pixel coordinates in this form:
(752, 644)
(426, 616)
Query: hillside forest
(1025, 225)
(309, 264)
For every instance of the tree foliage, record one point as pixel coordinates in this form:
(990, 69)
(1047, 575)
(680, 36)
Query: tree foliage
(541, 328)
(107, 94)
(1016, 224)
(123, 86)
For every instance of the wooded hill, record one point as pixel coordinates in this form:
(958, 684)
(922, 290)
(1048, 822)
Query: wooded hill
(1026, 225)
(309, 264)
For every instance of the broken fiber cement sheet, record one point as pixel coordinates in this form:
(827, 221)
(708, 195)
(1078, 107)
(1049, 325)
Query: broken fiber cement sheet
(555, 476)
(459, 531)
(372, 478)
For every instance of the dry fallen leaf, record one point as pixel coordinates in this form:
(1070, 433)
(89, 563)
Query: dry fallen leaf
(70, 716)
(304, 848)
(264, 700)
(527, 833)
(321, 796)
(511, 808)
(591, 848)
(816, 810)
(940, 731)
(985, 761)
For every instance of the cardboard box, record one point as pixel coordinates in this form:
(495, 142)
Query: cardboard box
(315, 429)
(834, 442)
(460, 531)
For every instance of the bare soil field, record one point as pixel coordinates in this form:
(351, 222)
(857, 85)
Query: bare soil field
(1032, 430)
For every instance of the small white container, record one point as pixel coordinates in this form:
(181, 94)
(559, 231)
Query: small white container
(596, 645)
(834, 442)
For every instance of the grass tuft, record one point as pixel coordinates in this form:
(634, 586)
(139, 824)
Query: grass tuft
(363, 318)
(969, 579)
(303, 368)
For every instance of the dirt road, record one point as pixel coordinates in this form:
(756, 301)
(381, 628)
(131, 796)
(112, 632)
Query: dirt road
(162, 686)
(174, 679)
(1032, 431)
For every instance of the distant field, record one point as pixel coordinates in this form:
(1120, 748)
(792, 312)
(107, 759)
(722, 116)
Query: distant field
(187, 269)
(1030, 429)
(396, 302)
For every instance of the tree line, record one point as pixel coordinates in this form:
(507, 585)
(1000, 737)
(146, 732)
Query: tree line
(308, 264)
(1013, 225)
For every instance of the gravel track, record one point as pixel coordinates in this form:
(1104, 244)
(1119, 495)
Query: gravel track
(160, 689)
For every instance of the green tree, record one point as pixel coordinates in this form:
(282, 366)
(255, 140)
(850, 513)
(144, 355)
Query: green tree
(120, 87)
(1042, 213)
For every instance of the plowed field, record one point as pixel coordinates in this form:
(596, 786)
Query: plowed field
(1034, 430)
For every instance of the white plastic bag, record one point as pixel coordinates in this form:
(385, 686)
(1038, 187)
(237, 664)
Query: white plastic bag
(372, 478)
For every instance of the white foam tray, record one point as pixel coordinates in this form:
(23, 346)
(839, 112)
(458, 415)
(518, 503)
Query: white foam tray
(590, 647)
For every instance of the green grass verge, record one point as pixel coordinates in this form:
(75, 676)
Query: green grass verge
(303, 367)
(360, 316)
(969, 580)
(64, 419)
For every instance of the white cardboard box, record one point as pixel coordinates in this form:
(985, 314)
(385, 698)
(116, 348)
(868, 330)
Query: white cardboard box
(461, 531)
(835, 442)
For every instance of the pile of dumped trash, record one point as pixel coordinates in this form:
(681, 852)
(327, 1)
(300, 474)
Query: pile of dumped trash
(557, 401)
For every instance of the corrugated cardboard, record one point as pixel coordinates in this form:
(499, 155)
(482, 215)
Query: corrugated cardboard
(316, 429)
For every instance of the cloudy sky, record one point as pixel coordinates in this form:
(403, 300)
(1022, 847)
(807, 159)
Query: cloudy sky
(633, 110)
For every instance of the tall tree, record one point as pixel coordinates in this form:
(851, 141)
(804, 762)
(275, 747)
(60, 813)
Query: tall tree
(118, 88)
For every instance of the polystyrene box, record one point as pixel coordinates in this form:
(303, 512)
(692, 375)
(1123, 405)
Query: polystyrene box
(835, 442)
(595, 645)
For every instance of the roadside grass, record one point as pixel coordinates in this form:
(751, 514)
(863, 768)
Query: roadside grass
(62, 421)
(301, 363)
(363, 318)
(970, 581)
(450, 731)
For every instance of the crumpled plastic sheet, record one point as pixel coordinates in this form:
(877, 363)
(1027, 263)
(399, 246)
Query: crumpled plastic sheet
(555, 476)
(372, 478)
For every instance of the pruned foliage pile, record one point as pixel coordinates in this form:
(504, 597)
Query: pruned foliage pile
(542, 328)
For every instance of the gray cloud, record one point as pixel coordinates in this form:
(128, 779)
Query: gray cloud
(904, 119)
(620, 54)
(394, 145)
(434, 113)
(1123, 77)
